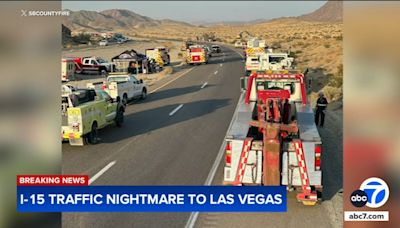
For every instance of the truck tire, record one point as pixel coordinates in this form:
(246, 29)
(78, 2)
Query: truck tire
(103, 71)
(119, 119)
(124, 99)
(93, 135)
(144, 94)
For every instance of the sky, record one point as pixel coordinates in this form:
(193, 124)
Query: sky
(203, 11)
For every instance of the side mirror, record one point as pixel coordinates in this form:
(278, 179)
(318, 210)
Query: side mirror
(141, 81)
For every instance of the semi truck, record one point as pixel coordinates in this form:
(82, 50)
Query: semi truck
(273, 139)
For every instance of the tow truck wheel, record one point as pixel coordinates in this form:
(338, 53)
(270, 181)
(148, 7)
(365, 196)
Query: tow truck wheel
(119, 119)
(93, 135)
(144, 94)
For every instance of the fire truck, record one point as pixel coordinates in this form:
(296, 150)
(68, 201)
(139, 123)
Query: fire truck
(273, 139)
(196, 55)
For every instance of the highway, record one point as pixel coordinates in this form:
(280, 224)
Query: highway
(171, 138)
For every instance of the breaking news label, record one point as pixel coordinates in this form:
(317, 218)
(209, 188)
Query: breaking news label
(71, 193)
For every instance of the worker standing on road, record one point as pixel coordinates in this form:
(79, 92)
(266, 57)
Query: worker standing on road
(320, 109)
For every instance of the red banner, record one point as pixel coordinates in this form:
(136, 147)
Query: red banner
(52, 180)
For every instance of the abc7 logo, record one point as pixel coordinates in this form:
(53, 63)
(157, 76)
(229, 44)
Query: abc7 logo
(373, 192)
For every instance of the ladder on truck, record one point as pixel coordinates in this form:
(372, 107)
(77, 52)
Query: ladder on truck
(243, 161)
(307, 196)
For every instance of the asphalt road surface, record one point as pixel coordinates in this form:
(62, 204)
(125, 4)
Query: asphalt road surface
(171, 138)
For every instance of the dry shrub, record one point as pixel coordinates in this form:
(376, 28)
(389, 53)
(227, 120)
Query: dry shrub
(167, 70)
(332, 94)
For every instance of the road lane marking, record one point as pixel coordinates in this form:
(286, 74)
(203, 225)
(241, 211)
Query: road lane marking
(194, 215)
(216, 72)
(204, 85)
(101, 172)
(175, 110)
(167, 83)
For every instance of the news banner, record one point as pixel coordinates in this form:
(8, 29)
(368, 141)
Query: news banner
(72, 193)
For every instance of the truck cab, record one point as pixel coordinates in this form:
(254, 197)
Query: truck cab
(252, 63)
(93, 65)
(126, 86)
(275, 61)
(85, 111)
(196, 55)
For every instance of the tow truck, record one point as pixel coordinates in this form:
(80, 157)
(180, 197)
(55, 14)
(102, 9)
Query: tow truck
(273, 139)
(85, 111)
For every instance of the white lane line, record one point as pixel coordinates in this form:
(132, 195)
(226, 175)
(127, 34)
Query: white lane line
(175, 110)
(216, 72)
(194, 215)
(204, 85)
(184, 73)
(220, 64)
(101, 172)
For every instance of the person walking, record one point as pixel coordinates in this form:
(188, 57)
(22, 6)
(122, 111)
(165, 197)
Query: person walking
(320, 109)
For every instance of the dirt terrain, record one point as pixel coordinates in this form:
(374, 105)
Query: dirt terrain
(110, 51)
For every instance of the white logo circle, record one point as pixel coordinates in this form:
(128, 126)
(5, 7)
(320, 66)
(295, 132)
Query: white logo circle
(374, 187)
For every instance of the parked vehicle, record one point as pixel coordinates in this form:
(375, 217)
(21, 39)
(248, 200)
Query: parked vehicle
(255, 47)
(208, 51)
(93, 65)
(159, 54)
(103, 43)
(128, 59)
(238, 44)
(126, 86)
(216, 49)
(275, 61)
(85, 112)
(273, 139)
(252, 64)
(67, 69)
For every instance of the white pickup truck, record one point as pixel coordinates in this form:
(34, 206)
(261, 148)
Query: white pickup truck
(126, 86)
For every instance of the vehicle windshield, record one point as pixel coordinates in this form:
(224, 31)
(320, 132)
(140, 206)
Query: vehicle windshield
(117, 79)
(276, 59)
(100, 60)
(277, 85)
